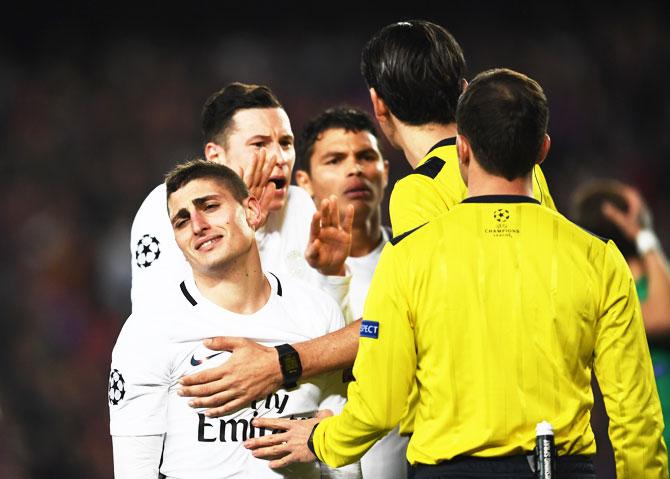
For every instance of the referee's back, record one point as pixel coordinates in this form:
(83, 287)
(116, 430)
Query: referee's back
(522, 303)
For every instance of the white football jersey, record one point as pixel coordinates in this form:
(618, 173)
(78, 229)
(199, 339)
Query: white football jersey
(158, 264)
(155, 349)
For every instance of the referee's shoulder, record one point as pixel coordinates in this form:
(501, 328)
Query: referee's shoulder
(396, 240)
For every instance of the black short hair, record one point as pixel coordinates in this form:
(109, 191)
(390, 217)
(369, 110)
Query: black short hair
(586, 209)
(504, 116)
(347, 118)
(417, 68)
(217, 114)
(197, 169)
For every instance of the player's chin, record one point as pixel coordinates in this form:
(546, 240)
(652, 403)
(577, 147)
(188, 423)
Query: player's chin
(277, 203)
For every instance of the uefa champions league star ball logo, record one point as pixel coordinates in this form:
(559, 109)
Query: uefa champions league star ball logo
(117, 387)
(147, 251)
(501, 215)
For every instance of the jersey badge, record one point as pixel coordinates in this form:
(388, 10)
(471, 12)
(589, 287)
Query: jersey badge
(117, 387)
(370, 329)
(147, 251)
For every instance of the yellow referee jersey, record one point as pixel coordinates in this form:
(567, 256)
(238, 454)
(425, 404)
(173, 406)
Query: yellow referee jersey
(499, 310)
(436, 185)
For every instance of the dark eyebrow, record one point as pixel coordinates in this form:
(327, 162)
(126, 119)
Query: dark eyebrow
(365, 151)
(198, 202)
(181, 214)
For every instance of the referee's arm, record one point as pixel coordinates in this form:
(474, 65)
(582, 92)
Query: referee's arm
(624, 371)
(384, 370)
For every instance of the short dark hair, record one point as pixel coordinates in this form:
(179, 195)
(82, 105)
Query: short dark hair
(197, 169)
(504, 116)
(217, 114)
(586, 209)
(340, 117)
(417, 68)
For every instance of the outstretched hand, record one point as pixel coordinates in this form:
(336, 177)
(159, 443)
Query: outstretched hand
(286, 447)
(256, 178)
(329, 240)
(635, 219)
(251, 372)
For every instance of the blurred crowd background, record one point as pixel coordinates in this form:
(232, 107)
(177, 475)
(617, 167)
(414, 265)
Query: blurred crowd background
(97, 103)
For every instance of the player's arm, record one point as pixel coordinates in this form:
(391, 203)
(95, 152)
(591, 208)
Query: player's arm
(636, 225)
(624, 371)
(138, 395)
(137, 457)
(656, 309)
(384, 371)
(253, 370)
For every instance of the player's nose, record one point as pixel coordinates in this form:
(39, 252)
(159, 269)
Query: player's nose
(353, 166)
(199, 223)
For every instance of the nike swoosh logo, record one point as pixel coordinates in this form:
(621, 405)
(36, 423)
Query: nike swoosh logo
(197, 362)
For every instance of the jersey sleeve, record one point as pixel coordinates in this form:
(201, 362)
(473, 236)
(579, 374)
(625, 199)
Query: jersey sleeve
(157, 264)
(139, 380)
(384, 371)
(623, 367)
(137, 457)
(541, 189)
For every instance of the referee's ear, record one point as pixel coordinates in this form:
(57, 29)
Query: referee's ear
(544, 149)
(464, 156)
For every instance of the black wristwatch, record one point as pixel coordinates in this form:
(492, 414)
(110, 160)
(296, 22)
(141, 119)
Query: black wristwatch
(291, 367)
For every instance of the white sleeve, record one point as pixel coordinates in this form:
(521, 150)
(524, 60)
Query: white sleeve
(137, 457)
(157, 264)
(139, 380)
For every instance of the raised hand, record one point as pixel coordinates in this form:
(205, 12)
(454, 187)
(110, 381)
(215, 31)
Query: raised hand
(635, 219)
(329, 240)
(256, 178)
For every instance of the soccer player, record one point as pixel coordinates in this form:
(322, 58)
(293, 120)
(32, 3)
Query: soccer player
(246, 128)
(415, 72)
(501, 334)
(338, 154)
(214, 220)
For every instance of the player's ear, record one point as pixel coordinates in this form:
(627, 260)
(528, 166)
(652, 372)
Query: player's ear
(379, 106)
(304, 181)
(215, 153)
(544, 149)
(252, 209)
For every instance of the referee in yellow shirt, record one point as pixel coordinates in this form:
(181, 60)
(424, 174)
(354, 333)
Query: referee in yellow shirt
(499, 309)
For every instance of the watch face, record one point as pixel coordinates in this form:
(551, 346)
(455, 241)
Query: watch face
(291, 363)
